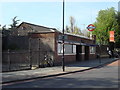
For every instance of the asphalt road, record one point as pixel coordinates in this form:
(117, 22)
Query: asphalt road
(105, 77)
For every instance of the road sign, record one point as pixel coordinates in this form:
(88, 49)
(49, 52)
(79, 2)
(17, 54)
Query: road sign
(91, 27)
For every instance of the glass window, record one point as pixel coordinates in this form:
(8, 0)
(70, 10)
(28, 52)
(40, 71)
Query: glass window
(74, 49)
(60, 48)
(92, 49)
(83, 49)
(68, 49)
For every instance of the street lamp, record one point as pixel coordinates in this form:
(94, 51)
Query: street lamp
(63, 63)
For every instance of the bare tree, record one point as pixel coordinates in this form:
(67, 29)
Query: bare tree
(72, 24)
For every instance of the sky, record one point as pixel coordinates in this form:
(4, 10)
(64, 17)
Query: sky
(119, 6)
(50, 14)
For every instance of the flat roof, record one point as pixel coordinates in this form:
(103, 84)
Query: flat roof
(77, 35)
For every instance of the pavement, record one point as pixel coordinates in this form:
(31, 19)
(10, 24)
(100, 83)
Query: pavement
(8, 77)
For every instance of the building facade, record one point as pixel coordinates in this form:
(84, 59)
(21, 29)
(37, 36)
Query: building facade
(77, 48)
(44, 42)
(38, 45)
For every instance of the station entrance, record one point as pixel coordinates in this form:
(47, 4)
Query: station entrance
(82, 53)
(78, 52)
(86, 56)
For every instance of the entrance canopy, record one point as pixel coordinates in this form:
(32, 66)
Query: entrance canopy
(77, 43)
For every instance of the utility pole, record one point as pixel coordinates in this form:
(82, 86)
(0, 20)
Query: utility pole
(63, 63)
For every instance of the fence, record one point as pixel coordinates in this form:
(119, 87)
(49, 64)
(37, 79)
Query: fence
(20, 60)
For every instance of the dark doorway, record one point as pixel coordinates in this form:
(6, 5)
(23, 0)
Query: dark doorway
(86, 52)
(78, 52)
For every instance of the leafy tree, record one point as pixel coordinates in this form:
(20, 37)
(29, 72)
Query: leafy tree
(12, 30)
(0, 27)
(105, 22)
(14, 25)
(5, 31)
(4, 27)
(117, 31)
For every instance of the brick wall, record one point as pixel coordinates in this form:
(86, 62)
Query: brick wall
(43, 42)
(15, 42)
(67, 59)
(92, 56)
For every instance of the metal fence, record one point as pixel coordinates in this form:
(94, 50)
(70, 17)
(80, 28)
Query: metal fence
(25, 59)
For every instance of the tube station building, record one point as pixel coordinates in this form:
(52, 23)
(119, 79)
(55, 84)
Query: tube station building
(49, 41)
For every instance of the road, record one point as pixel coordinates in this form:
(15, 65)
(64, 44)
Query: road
(104, 77)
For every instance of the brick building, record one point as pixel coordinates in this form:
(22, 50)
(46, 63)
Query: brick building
(49, 41)
(35, 42)
(76, 48)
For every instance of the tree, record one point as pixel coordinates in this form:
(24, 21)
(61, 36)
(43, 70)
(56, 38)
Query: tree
(117, 32)
(105, 22)
(0, 30)
(74, 29)
(12, 30)
(67, 29)
(14, 25)
(72, 24)
(0, 27)
(5, 31)
(77, 30)
(4, 27)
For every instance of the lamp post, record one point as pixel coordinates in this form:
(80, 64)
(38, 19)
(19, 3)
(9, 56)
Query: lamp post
(63, 63)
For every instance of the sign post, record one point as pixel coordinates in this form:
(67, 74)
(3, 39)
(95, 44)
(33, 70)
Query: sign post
(112, 41)
(111, 38)
(91, 27)
(63, 62)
